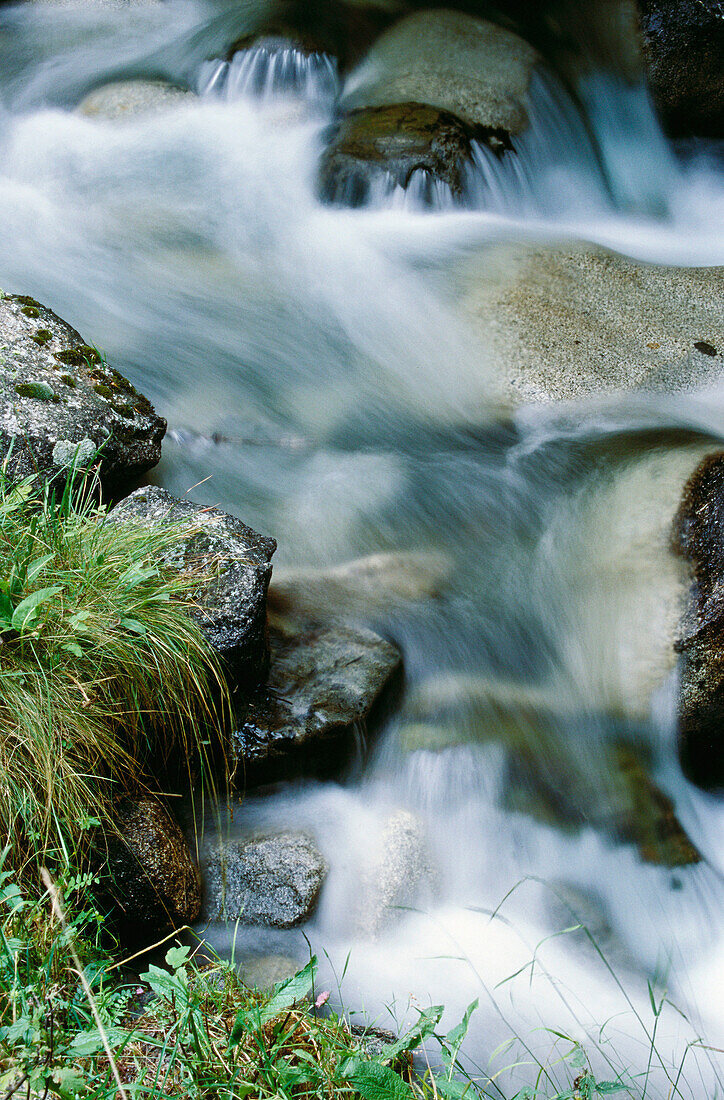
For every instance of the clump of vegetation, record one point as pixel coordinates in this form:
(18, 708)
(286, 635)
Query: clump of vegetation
(101, 668)
(72, 1026)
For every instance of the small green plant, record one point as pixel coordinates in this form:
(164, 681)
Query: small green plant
(103, 674)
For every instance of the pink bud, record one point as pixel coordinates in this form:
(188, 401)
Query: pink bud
(322, 999)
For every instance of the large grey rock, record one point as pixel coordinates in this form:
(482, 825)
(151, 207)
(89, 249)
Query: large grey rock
(473, 69)
(324, 681)
(429, 85)
(565, 322)
(154, 882)
(272, 880)
(128, 98)
(684, 47)
(60, 401)
(231, 602)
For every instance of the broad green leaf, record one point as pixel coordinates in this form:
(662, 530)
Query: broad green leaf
(577, 1058)
(245, 1021)
(134, 626)
(74, 648)
(27, 609)
(18, 1029)
(289, 992)
(417, 1034)
(90, 1042)
(451, 1089)
(36, 567)
(177, 957)
(69, 1082)
(457, 1035)
(374, 1081)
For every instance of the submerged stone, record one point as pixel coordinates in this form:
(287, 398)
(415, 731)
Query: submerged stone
(561, 767)
(129, 98)
(271, 880)
(47, 411)
(263, 972)
(397, 875)
(372, 585)
(235, 564)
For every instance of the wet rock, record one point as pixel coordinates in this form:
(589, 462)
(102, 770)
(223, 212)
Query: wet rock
(566, 322)
(130, 98)
(325, 680)
(397, 875)
(364, 587)
(263, 972)
(271, 880)
(429, 85)
(392, 143)
(683, 48)
(698, 536)
(236, 560)
(467, 67)
(155, 882)
(60, 401)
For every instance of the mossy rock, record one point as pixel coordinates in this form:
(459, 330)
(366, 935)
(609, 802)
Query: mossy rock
(95, 402)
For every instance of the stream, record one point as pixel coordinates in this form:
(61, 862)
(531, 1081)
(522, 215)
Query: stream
(320, 382)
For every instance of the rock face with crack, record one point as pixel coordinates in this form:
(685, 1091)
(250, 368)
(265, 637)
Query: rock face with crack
(324, 681)
(60, 401)
(271, 880)
(155, 884)
(236, 564)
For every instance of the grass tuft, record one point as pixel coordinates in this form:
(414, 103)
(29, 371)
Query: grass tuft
(103, 674)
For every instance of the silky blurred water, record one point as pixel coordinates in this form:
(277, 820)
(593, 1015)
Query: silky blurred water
(319, 382)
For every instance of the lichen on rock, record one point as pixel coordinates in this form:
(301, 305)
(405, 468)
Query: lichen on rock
(43, 406)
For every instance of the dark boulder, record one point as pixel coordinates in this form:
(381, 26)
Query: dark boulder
(60, 401)
(235, 564)
(684, 53)
(699, 537)
(154, 884)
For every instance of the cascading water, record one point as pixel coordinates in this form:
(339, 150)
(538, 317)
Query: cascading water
(311, 364)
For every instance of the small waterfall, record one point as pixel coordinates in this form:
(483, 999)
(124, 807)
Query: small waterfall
(553, 166)
(271, 68)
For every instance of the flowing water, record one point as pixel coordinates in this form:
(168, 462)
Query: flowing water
(319, 382)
